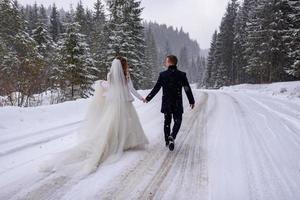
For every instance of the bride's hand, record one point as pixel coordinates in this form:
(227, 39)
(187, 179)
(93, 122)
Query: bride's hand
(104, 84)
(144, 100)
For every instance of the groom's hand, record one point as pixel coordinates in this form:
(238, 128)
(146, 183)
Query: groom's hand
(192, 106)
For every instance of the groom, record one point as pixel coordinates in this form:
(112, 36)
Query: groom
(172, 81)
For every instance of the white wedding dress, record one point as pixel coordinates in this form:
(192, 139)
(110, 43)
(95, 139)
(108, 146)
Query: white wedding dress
(111, 126)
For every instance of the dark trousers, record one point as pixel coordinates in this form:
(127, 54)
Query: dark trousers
(177, 117)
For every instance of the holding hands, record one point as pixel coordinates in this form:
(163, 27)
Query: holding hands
(192, 106)
(144, 100)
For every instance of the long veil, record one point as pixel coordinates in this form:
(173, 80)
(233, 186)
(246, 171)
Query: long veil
(100, 135)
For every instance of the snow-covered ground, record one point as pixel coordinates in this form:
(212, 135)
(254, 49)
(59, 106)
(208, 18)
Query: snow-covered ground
(241, 142)
(289, 90)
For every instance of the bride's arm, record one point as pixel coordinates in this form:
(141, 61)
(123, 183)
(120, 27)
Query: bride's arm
(105, 83)
(108, 77)
(133, 90)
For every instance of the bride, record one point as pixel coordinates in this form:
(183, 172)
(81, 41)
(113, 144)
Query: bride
(111, 125)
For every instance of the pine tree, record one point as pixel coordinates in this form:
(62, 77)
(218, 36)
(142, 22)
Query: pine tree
(99, 15)
(223, 72)
(55, 24)
(239, 61)
(119, 34)
(46, 49)
(99, 39)
(294, 40)
(43, 40)
(199, 76)
(127, 37)
(151, 59)
(32, 17)
(209, 76)
(10, 20)
(77, 63)
(167, 50)
(10, 24)
(21, 65)
(269, 33)
(69, 17)
(164, 51)
(89, 25)
(227, 37)
(193, 71)
(256, 65)
(81, 18)
(43, 17)
(55, 74)
(183, 59)
(137, 47)
(281, 34)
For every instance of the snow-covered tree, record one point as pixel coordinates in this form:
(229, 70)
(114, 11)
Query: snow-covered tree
(42, 16)
(199, 75)
(32, 17)
(193, 71)
(241, 22)
(222, 71)
(151, 59)
(81, 19)
(265, 44)
(99, 41)
(69, 17)
(55, 24)
(294, 39)
(126, 36)
(210, 69)
(43, 40)
(77, 65)
(183, 59)
(167, 49)
(269, 33)
(21, 64)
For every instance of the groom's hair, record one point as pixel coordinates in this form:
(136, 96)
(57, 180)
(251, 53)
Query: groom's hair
(173, 59)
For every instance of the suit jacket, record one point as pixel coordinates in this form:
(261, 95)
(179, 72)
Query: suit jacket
(172, 81)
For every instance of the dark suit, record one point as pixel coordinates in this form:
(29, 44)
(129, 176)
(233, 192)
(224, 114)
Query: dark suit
(172, 81)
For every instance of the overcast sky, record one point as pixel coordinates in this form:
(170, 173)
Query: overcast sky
(198, 17)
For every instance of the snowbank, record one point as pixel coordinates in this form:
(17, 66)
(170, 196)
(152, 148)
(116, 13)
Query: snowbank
(14, 120)
(290, 90)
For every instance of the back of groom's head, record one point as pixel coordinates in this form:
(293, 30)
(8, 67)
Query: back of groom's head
(172, 59)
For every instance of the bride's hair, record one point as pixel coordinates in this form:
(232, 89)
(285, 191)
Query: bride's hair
(124, 65)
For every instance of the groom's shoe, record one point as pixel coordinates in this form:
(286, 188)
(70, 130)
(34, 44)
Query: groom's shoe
(171, 143)
(167, 143)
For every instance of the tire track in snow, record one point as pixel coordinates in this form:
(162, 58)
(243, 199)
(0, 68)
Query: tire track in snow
(265, 165)
(28, 135)
(35, 143)
(32, 144)
(48, 188)
(288, 121)
(72, 127)
(152, 176)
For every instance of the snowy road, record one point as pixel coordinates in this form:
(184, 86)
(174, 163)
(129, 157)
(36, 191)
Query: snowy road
(233, 146)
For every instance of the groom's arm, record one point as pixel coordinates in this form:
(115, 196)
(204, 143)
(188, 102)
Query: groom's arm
(188, 90)
(155, 90)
